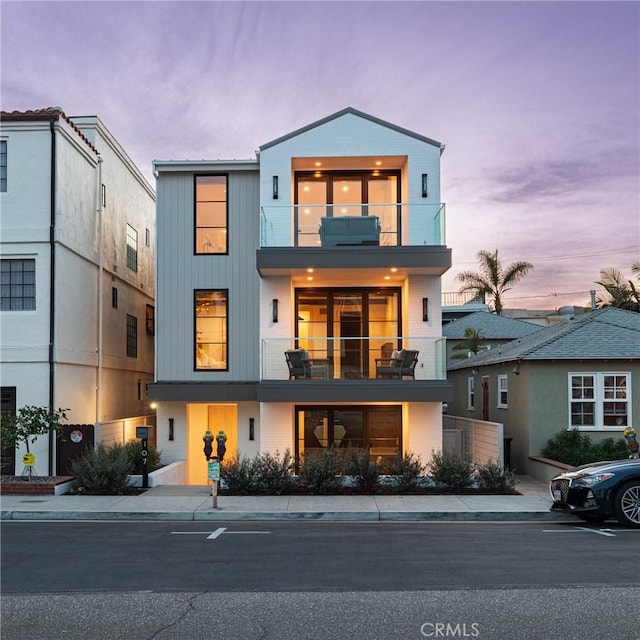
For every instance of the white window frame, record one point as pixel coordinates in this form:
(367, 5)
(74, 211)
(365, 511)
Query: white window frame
(503, 392)
(471, 393)
(600, 398)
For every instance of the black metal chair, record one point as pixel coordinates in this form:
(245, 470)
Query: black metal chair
(403, 364)
(301, 366)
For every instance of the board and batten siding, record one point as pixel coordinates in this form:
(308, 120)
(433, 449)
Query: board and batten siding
(180, 272)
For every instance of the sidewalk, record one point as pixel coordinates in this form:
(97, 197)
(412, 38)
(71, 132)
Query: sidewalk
(195, 503)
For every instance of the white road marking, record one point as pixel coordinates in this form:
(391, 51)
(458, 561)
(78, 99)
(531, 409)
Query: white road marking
(212, 535)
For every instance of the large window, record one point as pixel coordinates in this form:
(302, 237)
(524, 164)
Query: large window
(372, 193)
(132, 248)
(211, 325)
(598, 400)
(3, 165)
(211, 214)
(18, 278)
(376, 429)
(132, 336)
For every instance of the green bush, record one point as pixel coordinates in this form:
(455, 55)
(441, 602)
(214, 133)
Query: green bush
(408, 471)
(133, 450)
(319, 471)
(364, 471)
(450, 471)
(273, 472)
(239, 475)
(492, 477)
(575, 448)
(104, 471)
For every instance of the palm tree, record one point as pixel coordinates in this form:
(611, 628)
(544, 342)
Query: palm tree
(619, 292)
(471, 343)
(492, 279)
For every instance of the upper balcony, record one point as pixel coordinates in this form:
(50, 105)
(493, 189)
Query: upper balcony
(408, 236)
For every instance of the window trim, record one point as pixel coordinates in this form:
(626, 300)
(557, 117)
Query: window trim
(195, 215)
(195, 329)
(599, 400)
(503, 391)
(471, 393)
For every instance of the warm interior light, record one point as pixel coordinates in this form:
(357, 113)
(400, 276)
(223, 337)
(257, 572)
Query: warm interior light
(307, 211)
(309, 270)
(305, 188)
(387, 277)
(318, 164)
(378, 163)
(154, 405)
(394, 269)
(309, 277)
(343, 210)
(345, 188)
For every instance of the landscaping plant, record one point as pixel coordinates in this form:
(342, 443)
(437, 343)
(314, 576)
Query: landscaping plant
(104, 470)
(319, 471)
(450, 471)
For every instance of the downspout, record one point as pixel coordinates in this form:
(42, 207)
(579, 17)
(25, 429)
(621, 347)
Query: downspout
(100, 291)
(52, 285)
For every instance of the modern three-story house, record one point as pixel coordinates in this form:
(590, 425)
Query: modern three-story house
(298, 296)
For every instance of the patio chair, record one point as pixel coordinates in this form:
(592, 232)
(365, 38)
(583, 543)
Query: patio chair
(301, 366)
(402, 363)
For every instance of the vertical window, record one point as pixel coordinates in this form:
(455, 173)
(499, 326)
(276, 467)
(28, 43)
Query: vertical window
(471, 392)
(3, 165)
(211, 325)
(211, 214)
(132, 248)
(150, 320)
(104, 196)
(503, 387)
(147, 237)
(132, 336)
(18, 283)
(599, 400)
(114, 297)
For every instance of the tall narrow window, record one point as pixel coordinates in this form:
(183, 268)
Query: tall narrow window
(132, 336)
(211, 327)
(132, 248)
(211, 214)
(150, 320)
(503, 388)
(18, 281)
(114, 297)
(147, 237)
(471, 393)
(3, 165)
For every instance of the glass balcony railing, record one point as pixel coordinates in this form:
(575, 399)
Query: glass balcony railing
(353, 358)
(398, 224)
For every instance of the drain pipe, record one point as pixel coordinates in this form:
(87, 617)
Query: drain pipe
(100, 292)
(52, 284)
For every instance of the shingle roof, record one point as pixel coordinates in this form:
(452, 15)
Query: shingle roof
(490, 327)
(603, 334)
(360, 114)
(44, 114)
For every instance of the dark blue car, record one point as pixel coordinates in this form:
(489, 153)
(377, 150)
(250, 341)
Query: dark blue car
(598, 491)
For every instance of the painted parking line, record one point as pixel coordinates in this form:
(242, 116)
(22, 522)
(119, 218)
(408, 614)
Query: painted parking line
(610, 533)
(213, 535)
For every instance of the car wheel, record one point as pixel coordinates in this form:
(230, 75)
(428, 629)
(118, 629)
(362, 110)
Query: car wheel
(591, 517)
(627, 504)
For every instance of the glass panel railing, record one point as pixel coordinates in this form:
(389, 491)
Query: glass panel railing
(353, 358)
(399, 224)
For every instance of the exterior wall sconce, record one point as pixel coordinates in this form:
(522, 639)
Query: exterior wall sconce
(252, 434)
(516, 368)
(425, 309)
(475, 372)
(275, 187)
(424, 185)
(170, 428)
(274, 310)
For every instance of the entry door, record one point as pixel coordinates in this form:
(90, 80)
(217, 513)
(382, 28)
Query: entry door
(348, 328)
(8, 454)
(485, 398)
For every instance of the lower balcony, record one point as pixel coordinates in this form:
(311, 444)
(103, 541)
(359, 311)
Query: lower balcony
(363, 369)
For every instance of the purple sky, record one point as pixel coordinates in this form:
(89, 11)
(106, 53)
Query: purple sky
(537, 103)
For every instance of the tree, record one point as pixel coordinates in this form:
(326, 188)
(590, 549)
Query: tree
(27, 424)
(492, 279)
(619, 292)
(472, 342)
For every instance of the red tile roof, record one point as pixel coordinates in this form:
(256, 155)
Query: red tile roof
(48, 113)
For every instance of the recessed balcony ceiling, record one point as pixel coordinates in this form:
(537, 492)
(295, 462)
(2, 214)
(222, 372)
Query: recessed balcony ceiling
(350, 163)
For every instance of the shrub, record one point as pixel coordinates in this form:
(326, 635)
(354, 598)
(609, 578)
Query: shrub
(133, 449)
(365, 472)
(319, 471)
(239, 475)
(409, 471)
(492, 477)
(273, 471)
(104, 471)
(451, 471)
(575, 448)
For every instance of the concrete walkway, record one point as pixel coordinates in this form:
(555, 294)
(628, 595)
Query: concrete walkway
(172, 502)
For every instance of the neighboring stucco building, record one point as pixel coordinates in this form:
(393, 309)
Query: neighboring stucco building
(331, 241)
(78, 220)
(582, 373)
